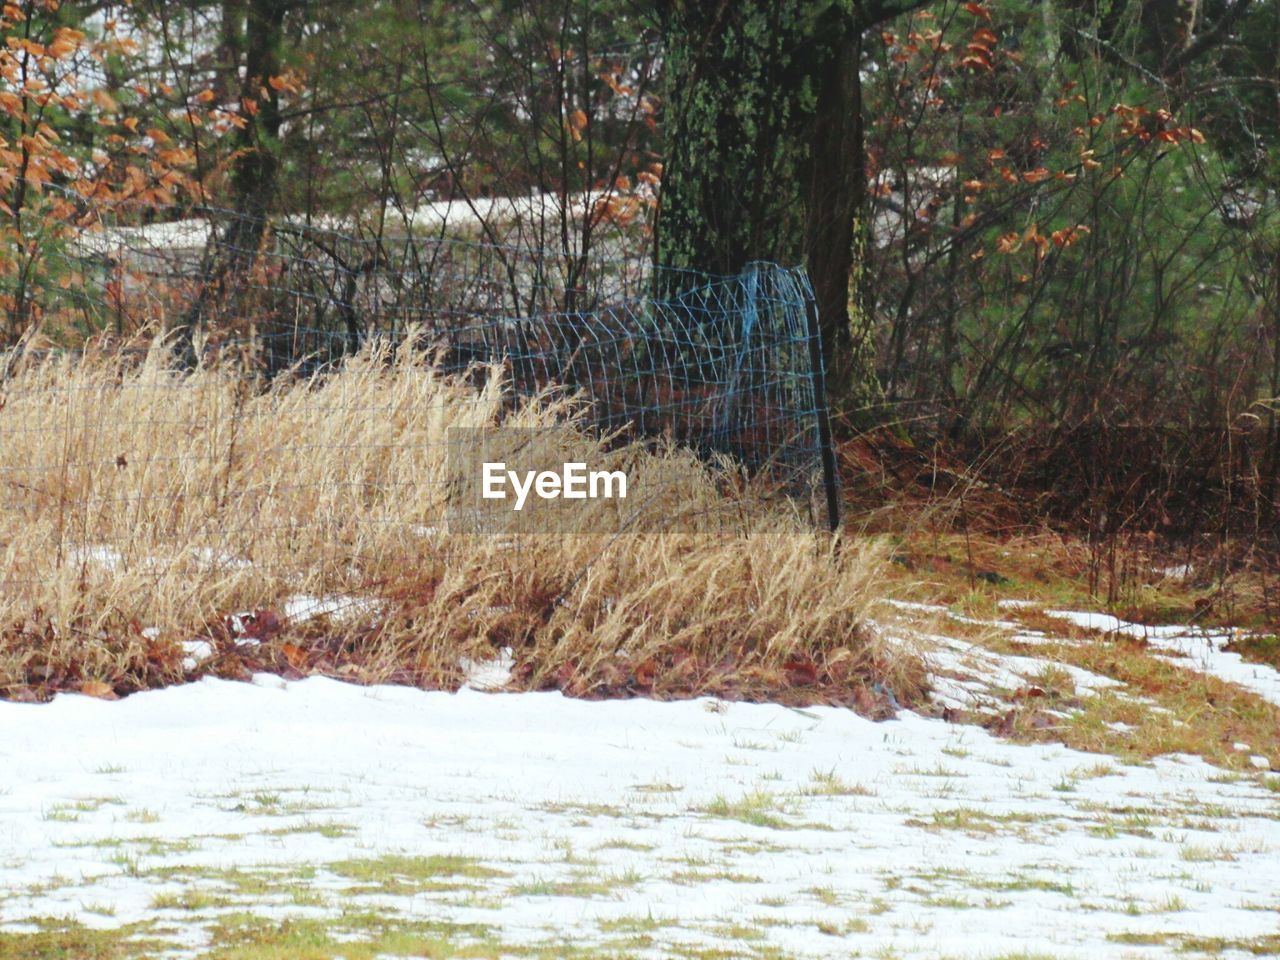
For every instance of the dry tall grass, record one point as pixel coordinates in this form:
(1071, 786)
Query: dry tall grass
(144, 505)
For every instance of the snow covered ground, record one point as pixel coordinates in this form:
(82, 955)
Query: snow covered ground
(505, 823)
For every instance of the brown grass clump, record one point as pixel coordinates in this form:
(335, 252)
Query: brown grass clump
(967, 529)
(144, 506)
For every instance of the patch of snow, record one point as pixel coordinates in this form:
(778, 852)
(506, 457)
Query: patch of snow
(1188, 646)
(195, 653)
(103, 556)
(916, 606)
(174, 235)
(218, 775)
(488, 674)
(219, 559)
(306, 607)
(192, 235)
(968, 675)
(1033, 638)
(110, 558)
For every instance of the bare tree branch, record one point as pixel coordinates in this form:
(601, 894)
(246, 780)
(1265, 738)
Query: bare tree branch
(1112, 53)
(1210, 38)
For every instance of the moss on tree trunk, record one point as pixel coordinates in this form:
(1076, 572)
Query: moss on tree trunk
(764, 157)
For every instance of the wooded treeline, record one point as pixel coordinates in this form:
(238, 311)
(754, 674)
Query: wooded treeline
(1043, 235)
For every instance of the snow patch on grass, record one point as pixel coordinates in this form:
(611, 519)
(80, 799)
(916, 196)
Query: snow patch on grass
(531, 820)
(1200, 649)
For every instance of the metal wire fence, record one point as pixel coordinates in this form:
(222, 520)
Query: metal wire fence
(288, 383)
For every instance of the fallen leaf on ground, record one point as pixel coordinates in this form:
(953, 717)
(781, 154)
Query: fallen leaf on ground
(96, 688)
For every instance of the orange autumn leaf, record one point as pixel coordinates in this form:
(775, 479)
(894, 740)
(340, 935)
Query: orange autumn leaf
(1068, 235)
(1009, 243)
(296, 656)
(104, 101)
(96, 688)
(65, 41)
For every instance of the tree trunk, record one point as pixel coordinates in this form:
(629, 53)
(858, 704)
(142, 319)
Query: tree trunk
(736, 126)
(836, 233)
(255, 168)
(1168, 26)
(764, 158)
(253, 177)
